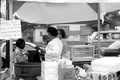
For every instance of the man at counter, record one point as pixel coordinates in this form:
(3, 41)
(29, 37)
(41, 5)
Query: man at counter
(54, 48)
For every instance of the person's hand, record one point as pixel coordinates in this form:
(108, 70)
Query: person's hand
(42, 51)
(25, 53)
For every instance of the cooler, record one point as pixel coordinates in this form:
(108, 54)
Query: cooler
(106, 64)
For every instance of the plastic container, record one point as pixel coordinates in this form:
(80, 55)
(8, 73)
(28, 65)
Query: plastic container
(81, 63)
(111, 52)
(82, 52)
(27, 71)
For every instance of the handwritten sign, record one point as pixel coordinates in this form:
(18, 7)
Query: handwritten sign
(10, 29)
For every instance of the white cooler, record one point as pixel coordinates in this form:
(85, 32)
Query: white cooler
(106, 64)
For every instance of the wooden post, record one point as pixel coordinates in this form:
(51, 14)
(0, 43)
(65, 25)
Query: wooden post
(99, 29)
(11, 42)
(0, 61)
(7, 41)
(10, 2)
(11, 61)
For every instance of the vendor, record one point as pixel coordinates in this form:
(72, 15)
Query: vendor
(54, 47)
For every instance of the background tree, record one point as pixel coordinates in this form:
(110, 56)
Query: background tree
(27, 29)
(112, 18)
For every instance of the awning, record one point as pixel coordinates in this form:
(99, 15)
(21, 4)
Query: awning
(61, 11)
(73, 1)
(55, 13)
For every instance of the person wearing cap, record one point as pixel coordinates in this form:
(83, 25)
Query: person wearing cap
(54, 47)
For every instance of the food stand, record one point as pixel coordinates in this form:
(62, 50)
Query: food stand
(72, 50)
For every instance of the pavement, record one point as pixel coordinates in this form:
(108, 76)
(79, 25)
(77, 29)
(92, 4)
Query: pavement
(0, 71)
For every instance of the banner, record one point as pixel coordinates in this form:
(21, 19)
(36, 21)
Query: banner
(10, 29)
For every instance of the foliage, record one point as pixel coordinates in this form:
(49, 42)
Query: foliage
(27, 30)
(112, 17)
(26, 26)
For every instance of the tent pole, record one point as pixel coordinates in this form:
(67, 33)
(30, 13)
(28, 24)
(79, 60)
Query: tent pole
(99, 29)
(7, 41)
(11, 41)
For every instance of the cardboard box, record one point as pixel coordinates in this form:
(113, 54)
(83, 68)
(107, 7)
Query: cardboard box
(67, 74)
(102, 76)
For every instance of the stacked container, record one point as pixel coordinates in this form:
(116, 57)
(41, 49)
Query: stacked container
(49, 70)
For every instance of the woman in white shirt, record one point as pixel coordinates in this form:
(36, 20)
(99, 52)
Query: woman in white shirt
(54, 47)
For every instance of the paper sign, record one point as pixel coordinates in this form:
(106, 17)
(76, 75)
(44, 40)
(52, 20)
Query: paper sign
(10, 29)
(66, 74)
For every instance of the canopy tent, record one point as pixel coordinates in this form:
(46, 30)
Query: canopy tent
(73, 1)
(53, 12)
(47, 13)
(108, 7)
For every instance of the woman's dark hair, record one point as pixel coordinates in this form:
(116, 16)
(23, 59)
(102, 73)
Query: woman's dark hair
(53, 31)
(45, 38)
(62, 33)
(20, 43)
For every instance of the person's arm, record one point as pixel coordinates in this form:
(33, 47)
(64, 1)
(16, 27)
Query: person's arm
(40, 49)
(65, 47)
(19, 56)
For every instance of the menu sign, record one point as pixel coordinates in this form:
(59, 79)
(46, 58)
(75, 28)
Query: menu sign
(10, 29)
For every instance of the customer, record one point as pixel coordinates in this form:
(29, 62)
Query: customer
(54, 47)
(62, 37)
(19, 56)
